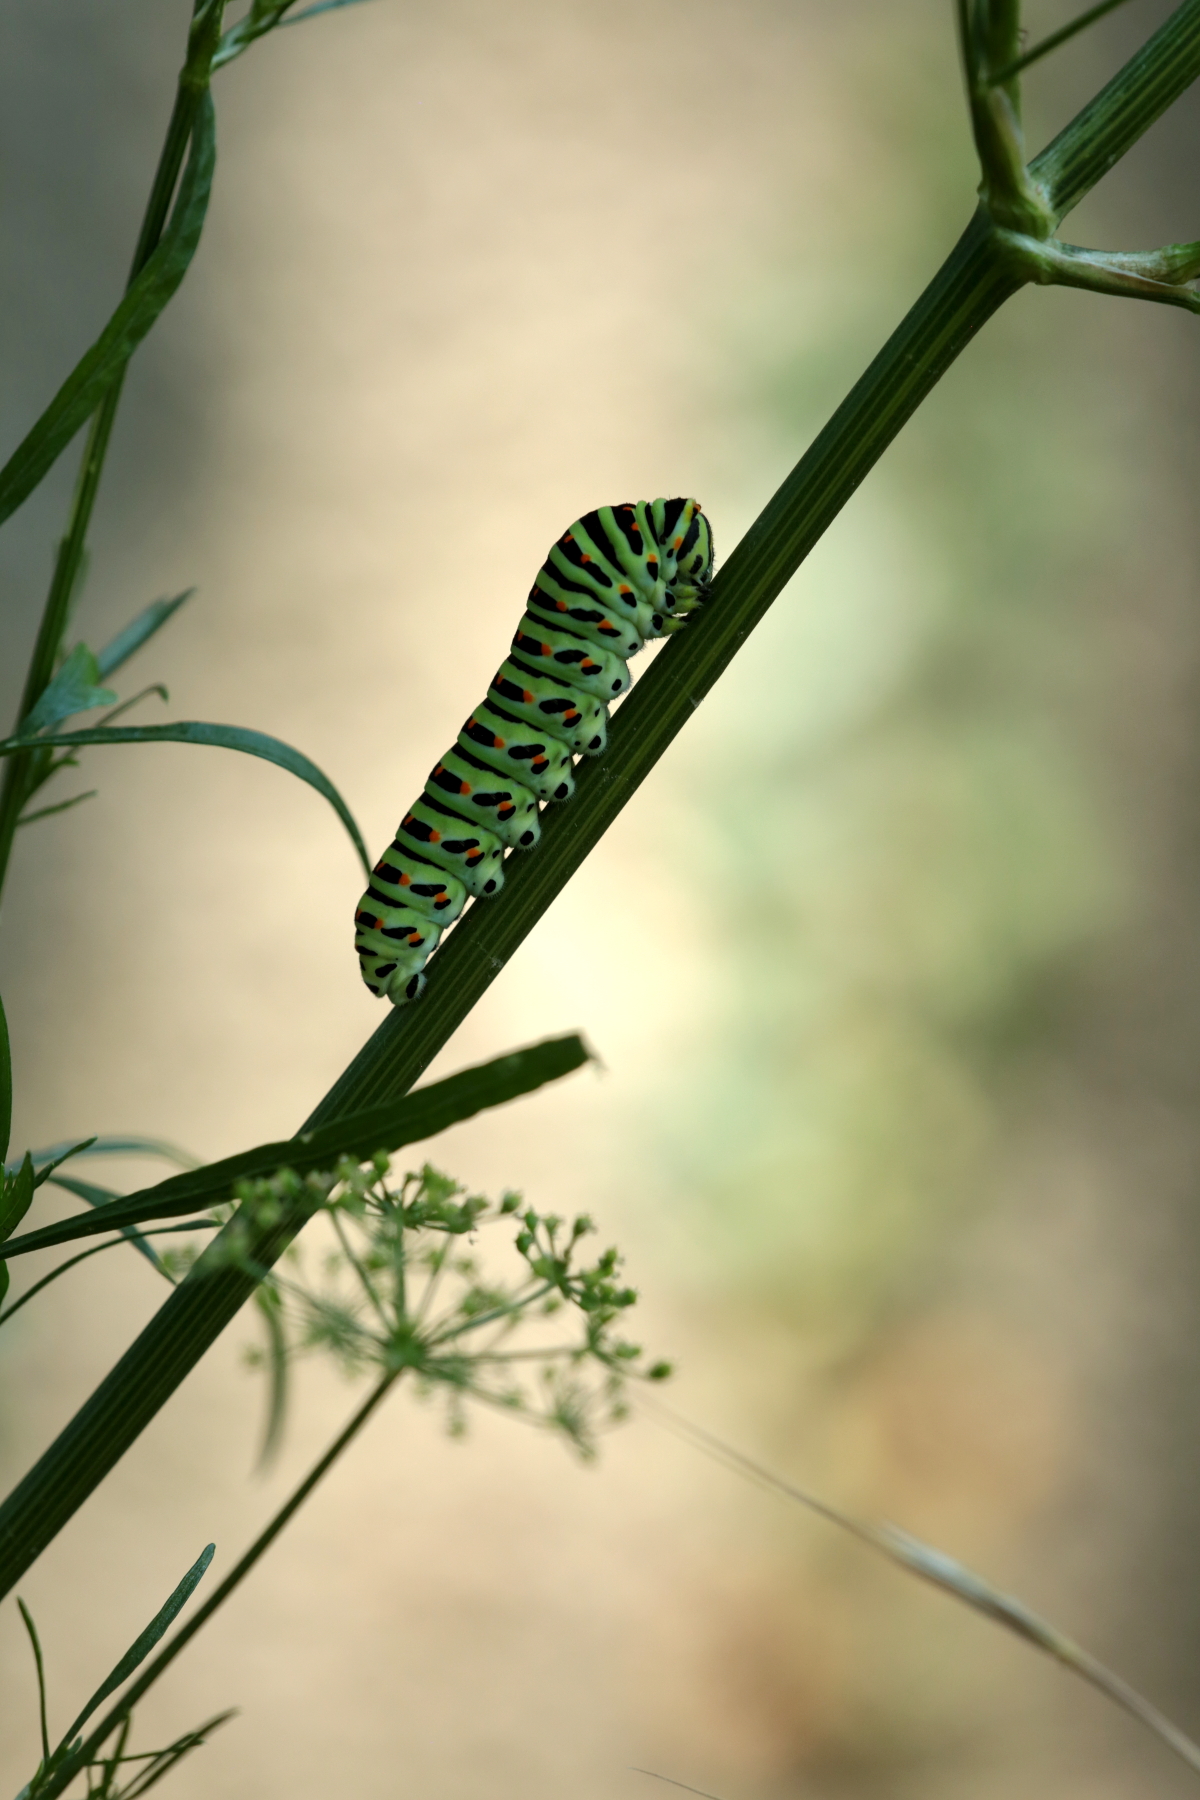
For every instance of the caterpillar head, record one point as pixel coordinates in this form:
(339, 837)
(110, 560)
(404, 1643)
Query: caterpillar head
(685, 556)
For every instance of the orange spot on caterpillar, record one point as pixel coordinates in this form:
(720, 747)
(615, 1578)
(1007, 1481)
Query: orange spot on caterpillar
(406, 881)
(677, 543)
(528, 696)
(497, 743)
(464, 787)
(584, 557)
(547, 650)
(435, 837)
(561, 605)
(624, 588)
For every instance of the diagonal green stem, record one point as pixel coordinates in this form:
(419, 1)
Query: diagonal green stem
(88, 1750)
(16, 783)
(963, 295)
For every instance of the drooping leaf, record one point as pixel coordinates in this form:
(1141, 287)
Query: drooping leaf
(142, 1645)
(5, 1085)
(222, 737)
(119, 649)
(74, 690)
(269, 1302)
(419, 1115)
(144, 299)
(16, 1197)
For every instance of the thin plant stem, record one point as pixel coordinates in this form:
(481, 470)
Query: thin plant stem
(111, 1244)
(1052, 42)
(365, 1281)
(113, 1719)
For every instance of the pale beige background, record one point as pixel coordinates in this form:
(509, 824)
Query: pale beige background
(902, 1149)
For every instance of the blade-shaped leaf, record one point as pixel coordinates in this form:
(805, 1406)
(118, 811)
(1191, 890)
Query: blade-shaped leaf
(47, 1168)
(269, 1302)
(264, 17)
(99, 1196)
(222, 737)
(48, 812)
(419, 1115)
(109, 1145)
(144, 1642)
(16, 1197)
(144, 299)
(119, 649)
(73, 690)
(5, 1085)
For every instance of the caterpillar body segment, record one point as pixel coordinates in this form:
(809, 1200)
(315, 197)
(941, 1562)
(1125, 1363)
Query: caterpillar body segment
(506, 744)
(618, 577)
(507, 807)
(554, 650)
(468, 850)
(550, 701)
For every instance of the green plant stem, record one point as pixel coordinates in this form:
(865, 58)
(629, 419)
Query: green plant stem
(964, 293)
(68, 1770)
(15, 785)
(1047, 44)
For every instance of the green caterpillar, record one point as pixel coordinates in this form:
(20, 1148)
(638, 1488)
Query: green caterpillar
(617, 577)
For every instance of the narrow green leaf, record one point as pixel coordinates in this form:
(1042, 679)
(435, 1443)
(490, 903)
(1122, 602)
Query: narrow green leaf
(312, 12)
(46, 1169)
(47, 812)
(221, 737)
(84, 388)
(264, 18)
(119, 649)
(134, 1145)
(166, 1759)
(5, 1085)
(144, 1642)
(99, 1196)
(419, 1115)
(16, 1197)
(39, 1664)
(73, 690)
(178, 1225)
(269, 1302)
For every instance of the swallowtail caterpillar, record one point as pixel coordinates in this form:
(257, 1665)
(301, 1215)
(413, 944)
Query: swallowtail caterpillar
(618, 577)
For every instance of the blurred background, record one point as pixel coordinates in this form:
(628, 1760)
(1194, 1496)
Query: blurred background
(904, 1163)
